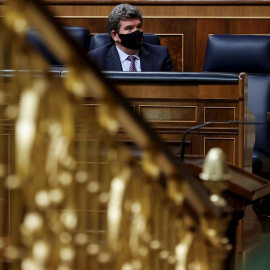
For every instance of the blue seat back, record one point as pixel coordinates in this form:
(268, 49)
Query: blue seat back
(259, 105)
(250, 54)
(80, 35)
(238, 53)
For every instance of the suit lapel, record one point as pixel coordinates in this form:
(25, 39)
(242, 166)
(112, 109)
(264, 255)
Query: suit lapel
(146, 60)
(113, 61)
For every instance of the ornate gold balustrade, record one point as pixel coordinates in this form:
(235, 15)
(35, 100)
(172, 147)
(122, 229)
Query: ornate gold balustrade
(81, 200)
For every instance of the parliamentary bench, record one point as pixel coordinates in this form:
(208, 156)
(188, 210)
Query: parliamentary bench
(173, 102)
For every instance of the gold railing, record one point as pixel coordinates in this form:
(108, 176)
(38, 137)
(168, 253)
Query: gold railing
(73, 197)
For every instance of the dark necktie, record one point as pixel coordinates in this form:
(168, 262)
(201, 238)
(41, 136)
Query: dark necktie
(132, 67)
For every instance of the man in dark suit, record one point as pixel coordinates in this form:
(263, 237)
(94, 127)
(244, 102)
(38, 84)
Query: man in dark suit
(127, 51)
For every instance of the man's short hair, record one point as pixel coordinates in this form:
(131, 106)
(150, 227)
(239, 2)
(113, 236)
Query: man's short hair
(124, 12)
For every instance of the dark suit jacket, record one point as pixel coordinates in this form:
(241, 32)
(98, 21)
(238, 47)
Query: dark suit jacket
(153, 58)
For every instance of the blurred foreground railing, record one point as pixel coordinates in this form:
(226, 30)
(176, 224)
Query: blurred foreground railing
(73, 196)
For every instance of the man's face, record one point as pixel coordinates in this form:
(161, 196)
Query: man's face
(126, 27)
(129, 26)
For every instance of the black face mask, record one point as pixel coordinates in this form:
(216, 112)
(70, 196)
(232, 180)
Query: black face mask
(132, 40)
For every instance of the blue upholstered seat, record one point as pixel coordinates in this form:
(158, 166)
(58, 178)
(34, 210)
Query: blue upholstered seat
(102, 39)
(250, 54)
(238, 53)
(80, 35)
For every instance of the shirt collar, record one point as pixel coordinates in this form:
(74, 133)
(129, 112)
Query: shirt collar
(123, 56)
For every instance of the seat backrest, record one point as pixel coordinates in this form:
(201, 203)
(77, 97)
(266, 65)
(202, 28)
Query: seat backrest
(102, 39)
(80, 34)
(259, 105)
(238, 53)
(250, 54)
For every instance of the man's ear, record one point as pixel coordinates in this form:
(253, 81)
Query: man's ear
(114, 35)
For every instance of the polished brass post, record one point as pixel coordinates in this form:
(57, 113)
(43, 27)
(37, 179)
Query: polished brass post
(215, 175)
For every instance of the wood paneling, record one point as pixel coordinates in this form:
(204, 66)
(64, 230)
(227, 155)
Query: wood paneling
(172, 109)
(173, 114)
(170, 11)
(95, 25)
(175, 45)
(219, 114)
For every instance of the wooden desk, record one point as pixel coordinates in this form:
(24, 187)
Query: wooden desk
(179, 101)
(174, 102)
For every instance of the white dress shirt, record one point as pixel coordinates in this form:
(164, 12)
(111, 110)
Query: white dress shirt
(126, 63)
